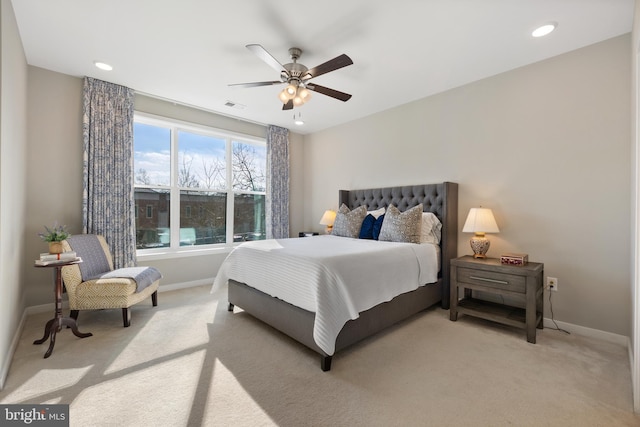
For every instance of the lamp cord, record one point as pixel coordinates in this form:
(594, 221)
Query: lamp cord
(557, 328)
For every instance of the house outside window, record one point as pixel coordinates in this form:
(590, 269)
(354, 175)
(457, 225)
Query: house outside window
(180, 167)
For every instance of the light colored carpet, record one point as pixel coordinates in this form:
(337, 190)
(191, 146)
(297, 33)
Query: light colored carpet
(190, 362)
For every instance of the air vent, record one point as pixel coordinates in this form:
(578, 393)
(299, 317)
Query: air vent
(232, 104)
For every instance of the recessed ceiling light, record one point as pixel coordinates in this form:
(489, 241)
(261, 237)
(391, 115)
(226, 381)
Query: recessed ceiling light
(299, 122)
(544, 29)
(103, 65)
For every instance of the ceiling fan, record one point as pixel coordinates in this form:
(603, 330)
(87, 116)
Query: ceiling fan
(298, 76)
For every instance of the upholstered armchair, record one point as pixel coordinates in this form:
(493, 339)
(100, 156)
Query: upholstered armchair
(94, 284)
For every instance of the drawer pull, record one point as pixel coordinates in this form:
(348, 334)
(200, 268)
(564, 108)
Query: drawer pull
(484, 279)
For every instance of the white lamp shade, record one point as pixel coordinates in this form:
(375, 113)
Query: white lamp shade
(480, 220)
(328, 217)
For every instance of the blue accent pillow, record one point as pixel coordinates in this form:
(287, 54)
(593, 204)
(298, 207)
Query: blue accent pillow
(377, 226)
(366, 231)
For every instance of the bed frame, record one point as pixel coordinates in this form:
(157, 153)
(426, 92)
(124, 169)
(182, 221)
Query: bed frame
(441, 199)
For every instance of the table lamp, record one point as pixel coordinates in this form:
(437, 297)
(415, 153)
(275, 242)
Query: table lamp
(480, 221)
(327, 219)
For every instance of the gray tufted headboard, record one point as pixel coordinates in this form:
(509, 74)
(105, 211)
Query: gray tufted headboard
(441, 199)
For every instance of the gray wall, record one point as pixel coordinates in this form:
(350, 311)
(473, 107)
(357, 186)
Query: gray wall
(546, 146)
(54, 190)
(634, 321)
(13, 172)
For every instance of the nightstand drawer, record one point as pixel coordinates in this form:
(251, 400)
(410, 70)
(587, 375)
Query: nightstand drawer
(491, 279)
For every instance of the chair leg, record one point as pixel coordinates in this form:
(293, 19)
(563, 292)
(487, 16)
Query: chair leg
(154, 299)
(126, 317)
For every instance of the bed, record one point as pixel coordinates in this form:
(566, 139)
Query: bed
(300, 321)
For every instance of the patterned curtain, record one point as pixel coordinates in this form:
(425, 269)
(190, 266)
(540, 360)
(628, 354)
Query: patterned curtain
(107, 200)
(277, 198)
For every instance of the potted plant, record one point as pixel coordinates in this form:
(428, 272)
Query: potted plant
(54, 236)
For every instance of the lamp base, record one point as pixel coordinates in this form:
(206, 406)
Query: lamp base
(480, 245)
(329, 229)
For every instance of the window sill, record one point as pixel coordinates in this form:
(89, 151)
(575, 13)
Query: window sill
(183, 252)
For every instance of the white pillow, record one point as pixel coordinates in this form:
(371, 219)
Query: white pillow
(376, 214)
(431, 231)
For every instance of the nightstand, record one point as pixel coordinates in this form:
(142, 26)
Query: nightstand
(520, 288)
(307, 233)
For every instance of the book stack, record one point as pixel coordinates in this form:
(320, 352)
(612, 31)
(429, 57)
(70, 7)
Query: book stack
(61, 258)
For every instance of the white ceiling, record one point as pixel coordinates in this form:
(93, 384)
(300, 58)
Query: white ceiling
(189, 51)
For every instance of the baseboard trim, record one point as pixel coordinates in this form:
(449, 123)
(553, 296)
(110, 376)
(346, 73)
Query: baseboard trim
(588, 332)
(185, 285)
(37, 309)
(12, 349)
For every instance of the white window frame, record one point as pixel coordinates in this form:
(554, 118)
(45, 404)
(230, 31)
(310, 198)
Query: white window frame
(175, 250)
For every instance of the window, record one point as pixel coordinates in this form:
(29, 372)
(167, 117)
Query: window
(182, 168)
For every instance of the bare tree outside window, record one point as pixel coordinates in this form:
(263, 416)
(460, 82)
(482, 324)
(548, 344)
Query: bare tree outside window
(213, 174)
(247, 173)
(186, 179)
(142, 177)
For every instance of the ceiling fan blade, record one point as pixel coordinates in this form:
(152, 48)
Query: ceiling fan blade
(256, 84)
(288, 105)
(262, 53)
(331, 65)
(329, 92)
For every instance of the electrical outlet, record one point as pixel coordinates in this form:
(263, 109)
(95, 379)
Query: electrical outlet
(552, 283)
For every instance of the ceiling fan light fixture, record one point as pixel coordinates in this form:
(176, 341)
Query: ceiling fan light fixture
(288, 93)
(298, 101)
(291, 90)
(297, 77)
(283, 97)
(304, 94)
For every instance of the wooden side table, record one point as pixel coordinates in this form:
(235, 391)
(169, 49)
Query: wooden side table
(55, 325)
(308, 233)
(521, 284)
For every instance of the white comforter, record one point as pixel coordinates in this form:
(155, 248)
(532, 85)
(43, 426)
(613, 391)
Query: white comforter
(334, 277)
